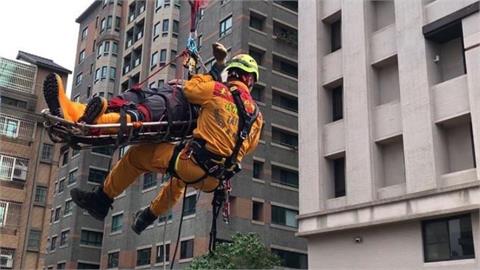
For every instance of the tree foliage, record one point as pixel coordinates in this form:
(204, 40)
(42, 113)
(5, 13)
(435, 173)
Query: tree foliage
(246, 251)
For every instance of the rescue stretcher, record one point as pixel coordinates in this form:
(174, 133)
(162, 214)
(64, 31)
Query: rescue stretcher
(82, 136)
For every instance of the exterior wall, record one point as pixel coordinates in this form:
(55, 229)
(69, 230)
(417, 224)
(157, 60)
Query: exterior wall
(423, 126)
(25, 214)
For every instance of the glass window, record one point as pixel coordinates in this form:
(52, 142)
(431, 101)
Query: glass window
(91, 238)
(257, 169)
(113, 259)
(117, 23)
(284, 137)
(9, 126)
(87, 266)
(68, 207)
(47, 152)
(292, 259)
(285, 66)
(72, 176)
(78, 79)
(103, 25)
(448, 239)
(96, 175)
(64, 238)
(58, 211)
(165, 28)
(3, 212)
(190, 202)
(257, 211)
(258, 93)
(285, 176)
(84, 33)
(226, 26)
(284, 216)
(61, 265)
(156, 30)
(40, 194)
(163, 57)
(104, 72)
(143, 256)
(61, 185)
(53, 243)
(175, 28)
(149, 180)
(81, 56)
(117, 222)
(154, 60)
(158, 4)
(106, 47)
(161, 253)
(336, 35)
(104, 150)
(113, 73)
(186, 249)
(97, 74)
(285, 101)
(34, 239)
(114, 48)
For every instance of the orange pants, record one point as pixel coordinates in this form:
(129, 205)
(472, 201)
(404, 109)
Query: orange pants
(144, 158)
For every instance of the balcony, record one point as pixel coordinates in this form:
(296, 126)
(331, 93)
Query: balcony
(17, 76)
(9, 220)
(13, 169)
(16, 128)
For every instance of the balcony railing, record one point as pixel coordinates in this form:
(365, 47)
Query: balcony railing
(17, 76)
(15, 127)
(13, 169)
(10, 217)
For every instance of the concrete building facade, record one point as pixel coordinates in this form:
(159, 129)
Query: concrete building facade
(389, 142)
(28, 160)
(265, 194)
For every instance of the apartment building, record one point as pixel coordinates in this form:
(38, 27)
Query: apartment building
(28, 160)
(390, 142)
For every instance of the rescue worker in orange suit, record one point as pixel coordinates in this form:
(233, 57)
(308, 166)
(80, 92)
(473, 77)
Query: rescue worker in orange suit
(214, 142)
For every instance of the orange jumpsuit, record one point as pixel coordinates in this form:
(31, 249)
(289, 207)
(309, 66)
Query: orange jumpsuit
(217, 124)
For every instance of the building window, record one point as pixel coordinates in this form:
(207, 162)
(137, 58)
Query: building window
(87, 266)
(61, 185)
(289, 4)
(165, 28)
(103, 25)
(337, 103)
(53, 243)
(158, 4)
(114, 48)
(13, 102)
(335, 35)
(284, 216)
(104, 150)
(258, 169)
(58, 211)
(106, 47)
(113, 73)
(190, 203)
(81, 56)
(175, 27)
(13, 169)
(258, 93)
(292, 259)
(339, 187)
(186, 249)
(68, 207)
(161, 253)
(149, 180)
(117, 23)
(285, 176)
(96, 175)
(34, 238)
(285, 66)
(117, 223)
(84, 33)
(143, 256)
(285, 33)
(446, 51)
(65, 158)
(72, 176)
(165, 217)
(61, 265)
(113, 259)
(3, 213)
(91, 238)
(257, 211)
(104, 72)
(257, 54)
(154, 60)
(163, 57)
(285, 101)
(40, 195)
(64, 238)
(225, 27)
(448, 239)
(257, 21)
(283, 137)
(9, 126)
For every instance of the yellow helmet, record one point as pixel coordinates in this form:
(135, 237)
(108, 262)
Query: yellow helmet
(244, 62)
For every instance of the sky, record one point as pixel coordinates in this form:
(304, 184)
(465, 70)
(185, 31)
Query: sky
(46, 28)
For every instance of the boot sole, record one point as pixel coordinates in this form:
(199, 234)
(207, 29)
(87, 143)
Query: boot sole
(74, 194)
(95, 108)
(50, 93)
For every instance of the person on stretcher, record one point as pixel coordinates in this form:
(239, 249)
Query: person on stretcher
(138, 105)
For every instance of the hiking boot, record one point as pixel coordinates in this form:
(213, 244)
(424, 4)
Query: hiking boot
(58, 103)
(143, 219)
(96, 107)
(97, 203)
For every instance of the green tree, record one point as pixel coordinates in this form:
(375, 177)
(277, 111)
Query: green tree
(245, 252)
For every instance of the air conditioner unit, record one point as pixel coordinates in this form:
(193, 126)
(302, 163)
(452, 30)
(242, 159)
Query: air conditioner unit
(6, 261)
(20, 172)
